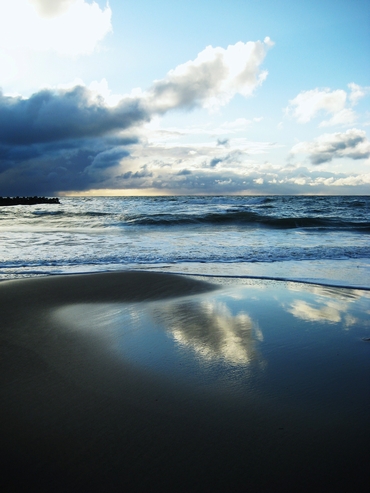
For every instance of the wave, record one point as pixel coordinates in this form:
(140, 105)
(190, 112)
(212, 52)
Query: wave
(279, 213)
(247, 218)
(358, 203)
(149, 256)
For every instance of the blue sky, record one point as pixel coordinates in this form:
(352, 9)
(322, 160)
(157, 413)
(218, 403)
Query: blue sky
(202, 97)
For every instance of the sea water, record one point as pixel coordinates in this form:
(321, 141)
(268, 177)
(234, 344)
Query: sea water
(320, 239)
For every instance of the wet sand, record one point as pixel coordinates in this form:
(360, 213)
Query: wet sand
(141, 381)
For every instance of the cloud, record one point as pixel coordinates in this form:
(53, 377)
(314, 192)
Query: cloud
(52, 167)
(63, 140)
(192, 169)
(68, 27)
(346, 181)
(352, 144)
(155, 132)
(342, 117)
(215, 161)
(71, 140)
(212, 79)
(357, 92)
(83, 138)
(107, 159)
(307, 105)
(50, 116)
(74, 138)
(223, 142)
(141, 173)
(206, 169)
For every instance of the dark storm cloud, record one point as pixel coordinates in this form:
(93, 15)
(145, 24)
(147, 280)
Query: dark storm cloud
(67, 140)
(49, 116)
(62, 140)
(48, 168)
(47, 174)
(109, 158)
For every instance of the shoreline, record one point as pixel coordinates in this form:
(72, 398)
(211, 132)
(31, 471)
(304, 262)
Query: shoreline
(190, 274)
(271, 278)
(104, 286)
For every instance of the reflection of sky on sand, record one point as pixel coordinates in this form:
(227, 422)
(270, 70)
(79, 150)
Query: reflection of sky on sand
(211, 330)
(329, 312)
(205, 326)
(341, 294)
(240, 338)
(328, 304)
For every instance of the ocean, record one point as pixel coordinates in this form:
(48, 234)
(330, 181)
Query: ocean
(318, 239)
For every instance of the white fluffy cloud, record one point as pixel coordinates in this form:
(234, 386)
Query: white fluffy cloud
(308, 104)
(212, 79)
(68, 27)
(357, 92)
(338, 103)
(348, 181)
(352, 144)
(345, 116)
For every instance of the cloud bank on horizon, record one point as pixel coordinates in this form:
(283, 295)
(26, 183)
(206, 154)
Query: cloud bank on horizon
(215, 124)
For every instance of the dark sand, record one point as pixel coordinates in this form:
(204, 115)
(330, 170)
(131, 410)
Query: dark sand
(151, 382)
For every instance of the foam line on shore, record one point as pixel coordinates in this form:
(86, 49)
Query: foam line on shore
(317, 282)
(272, 278)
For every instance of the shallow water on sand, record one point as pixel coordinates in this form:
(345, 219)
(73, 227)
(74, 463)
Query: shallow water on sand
(254, 385)
(296, 343)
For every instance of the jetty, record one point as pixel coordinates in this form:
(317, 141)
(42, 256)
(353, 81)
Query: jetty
(28, 200)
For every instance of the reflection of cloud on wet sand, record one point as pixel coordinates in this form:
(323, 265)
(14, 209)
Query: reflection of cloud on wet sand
(329, 311)
(211, 330)
(301, 309)
(330, 304)
(335, 293)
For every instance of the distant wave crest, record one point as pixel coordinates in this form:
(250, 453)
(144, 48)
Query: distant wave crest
(246, 218)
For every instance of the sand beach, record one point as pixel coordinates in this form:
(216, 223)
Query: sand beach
(142, 381)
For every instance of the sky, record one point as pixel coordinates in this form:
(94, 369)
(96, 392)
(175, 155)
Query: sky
(164, 97)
